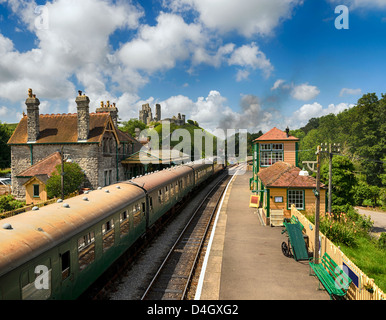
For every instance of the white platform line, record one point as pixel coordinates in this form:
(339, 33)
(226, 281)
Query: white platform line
(207, 253)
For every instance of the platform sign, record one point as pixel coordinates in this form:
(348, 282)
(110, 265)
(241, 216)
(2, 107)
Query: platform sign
(351, 274)
(254, 201)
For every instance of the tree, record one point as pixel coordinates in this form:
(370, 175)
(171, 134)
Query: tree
(343, 180)
(367, 136)
(5, 150)
(73, 178)
(131, 125)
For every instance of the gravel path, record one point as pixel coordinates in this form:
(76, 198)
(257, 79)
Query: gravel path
(140, 273)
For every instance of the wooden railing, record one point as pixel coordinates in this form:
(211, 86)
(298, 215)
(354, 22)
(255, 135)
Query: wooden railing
(362, 287)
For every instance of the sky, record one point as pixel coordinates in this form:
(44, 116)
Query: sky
(227, 64)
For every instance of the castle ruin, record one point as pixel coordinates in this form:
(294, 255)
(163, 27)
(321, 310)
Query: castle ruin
(146, 116)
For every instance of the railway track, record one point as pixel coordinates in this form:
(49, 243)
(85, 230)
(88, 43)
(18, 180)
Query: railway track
(172, 280)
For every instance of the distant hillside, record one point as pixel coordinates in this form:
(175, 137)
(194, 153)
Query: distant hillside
(191, 129)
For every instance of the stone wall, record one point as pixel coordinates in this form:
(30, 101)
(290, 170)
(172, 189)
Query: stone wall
(90, 158)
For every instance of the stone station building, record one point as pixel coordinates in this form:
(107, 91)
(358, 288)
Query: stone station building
(91, 139)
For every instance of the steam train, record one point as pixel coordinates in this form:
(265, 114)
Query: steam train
(58, 251)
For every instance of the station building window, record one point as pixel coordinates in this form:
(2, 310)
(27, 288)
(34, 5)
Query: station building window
(295, 197)
(271, 153)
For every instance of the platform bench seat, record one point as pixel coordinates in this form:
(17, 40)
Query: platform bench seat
(332, 277)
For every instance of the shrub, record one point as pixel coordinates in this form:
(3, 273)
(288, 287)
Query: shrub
(73, 178)
(8, 203)
(382, 241)
(344, 227)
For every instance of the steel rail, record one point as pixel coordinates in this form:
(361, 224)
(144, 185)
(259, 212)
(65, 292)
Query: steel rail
(199, 207)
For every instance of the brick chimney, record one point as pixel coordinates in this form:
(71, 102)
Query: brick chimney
(83, 102)
(32, 116)
(112, 109)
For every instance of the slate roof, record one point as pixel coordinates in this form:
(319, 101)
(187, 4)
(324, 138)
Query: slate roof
(285, 175)
(59, 128)
(45, 166)
(275, 134)
(156, 156)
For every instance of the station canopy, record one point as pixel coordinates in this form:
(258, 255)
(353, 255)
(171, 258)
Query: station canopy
(162, 156)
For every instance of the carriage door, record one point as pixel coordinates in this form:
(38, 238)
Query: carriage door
(66, 265)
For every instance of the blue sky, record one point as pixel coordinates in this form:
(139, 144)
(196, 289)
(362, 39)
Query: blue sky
(246, 64)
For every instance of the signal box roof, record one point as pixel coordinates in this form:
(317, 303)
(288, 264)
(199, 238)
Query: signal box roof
(275, 134)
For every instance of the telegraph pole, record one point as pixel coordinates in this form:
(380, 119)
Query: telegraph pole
(317, 205)
(332, 149)
(62, 173)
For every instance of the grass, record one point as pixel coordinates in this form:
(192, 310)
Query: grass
(369, 258)
(350, 231)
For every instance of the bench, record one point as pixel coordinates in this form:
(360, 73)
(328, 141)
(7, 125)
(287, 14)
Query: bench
(332, 277)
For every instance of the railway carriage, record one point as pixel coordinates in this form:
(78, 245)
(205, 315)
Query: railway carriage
(69, 245)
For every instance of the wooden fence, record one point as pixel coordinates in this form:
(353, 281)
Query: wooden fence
(362, 287)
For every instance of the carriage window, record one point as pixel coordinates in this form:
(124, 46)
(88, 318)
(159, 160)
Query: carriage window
(108, 234)
(151, 203)
(37, 289)
(137, 217)
(65, 264)
(86, 250)
(160, 196)
(124, 223)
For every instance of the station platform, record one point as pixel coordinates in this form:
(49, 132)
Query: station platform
(245, 261)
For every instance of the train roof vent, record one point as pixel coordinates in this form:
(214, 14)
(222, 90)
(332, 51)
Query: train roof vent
(7, 226)
(66, 205)
(85, 198)
(118, 187)
(59, 201)
(35, 208)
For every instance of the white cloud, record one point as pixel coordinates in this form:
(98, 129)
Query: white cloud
(3, 111)
(75, 42)
(161, 46)
(301, 116)
(250, 56)
(363, 4)
(278, 83)
(242, 75)
(304, 92)
(245, 16)
(345, 91)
